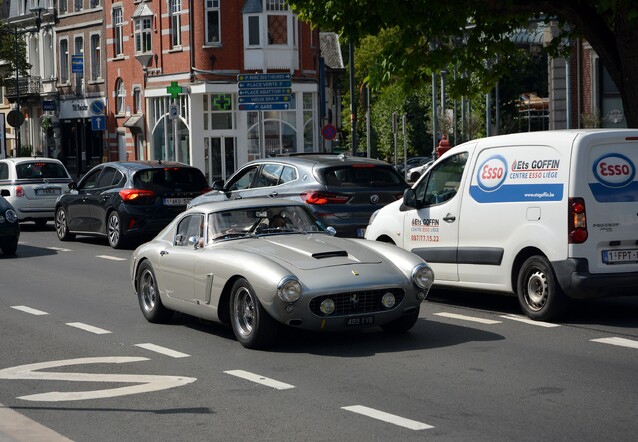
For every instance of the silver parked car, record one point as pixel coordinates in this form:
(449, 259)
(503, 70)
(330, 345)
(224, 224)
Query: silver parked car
(255, 263)
(32, 185)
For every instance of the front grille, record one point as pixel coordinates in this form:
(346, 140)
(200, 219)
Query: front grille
(352, 303)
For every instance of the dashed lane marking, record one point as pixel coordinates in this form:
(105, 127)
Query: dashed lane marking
(59, 249)
(529, 321)
(89, 328)
(259, 379)
(387, 417)
(467, 318)
(163, 350)
(111, 258)
(32, 311)
(621, 342)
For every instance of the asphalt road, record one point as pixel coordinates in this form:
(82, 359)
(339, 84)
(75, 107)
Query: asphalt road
(472, 369)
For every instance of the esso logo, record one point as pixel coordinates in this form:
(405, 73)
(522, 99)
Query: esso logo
(614, 170)
(492, 173)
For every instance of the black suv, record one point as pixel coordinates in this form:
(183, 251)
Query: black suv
(126, 200)
(343, 191)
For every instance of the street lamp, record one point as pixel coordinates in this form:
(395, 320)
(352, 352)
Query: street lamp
(15, 118)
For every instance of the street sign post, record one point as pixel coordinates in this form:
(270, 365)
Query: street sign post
(98, 122)
(259, 92)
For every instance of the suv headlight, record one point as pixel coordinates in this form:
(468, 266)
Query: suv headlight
(289, 289)
(423, 276)
(11, 215)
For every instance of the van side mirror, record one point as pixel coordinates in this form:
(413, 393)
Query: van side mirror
(409, 199)
(218, 185)
(73, 185)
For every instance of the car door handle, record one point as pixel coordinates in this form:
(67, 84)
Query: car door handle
(273, 194)
(164, 252)
(449, 218)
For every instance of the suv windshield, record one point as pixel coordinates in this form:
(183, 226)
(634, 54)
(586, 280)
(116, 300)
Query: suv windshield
(188, 179)
(40, 169)
(361, 175)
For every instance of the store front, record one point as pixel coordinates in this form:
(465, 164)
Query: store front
(81, 146)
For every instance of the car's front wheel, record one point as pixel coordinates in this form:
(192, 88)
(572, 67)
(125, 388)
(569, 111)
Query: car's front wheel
(253, 327)
(114, 231)
(149, 297)
(402, 324)
(539, 294)
(9, 246)
(62, 225)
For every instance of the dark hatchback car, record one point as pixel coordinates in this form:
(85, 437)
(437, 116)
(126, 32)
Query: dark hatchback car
(9, 228)
(343, 191)
(127, 201)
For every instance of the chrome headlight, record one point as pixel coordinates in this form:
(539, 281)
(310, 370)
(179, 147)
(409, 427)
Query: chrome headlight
(289, 289)
(11, 215)
(423, 276)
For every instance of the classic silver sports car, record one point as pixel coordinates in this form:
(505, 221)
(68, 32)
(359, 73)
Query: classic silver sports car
(254, 263)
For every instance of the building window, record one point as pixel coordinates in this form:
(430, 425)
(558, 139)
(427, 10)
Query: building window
(176, 22)
(63, 6)
(212, 22)
(143, 33)
(96, 57)
(253, 31)
(79, 76)
(218, 112)
(118, 32)
(95, 3)
(137, 100)
(79, 5)
(64, 61)
(277, 22)
(120, 94)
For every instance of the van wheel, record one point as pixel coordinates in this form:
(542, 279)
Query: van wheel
(539, 294)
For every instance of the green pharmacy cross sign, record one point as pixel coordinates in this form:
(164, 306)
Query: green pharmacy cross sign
(221, 102)
(174, 89)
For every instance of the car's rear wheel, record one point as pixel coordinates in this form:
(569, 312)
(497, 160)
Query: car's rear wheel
(402, 324)
(414, 177)
(149, 297)
(253, 327)
(539, 294)
(114, 231)
(9, 246)
(62, 226)
(40, 223)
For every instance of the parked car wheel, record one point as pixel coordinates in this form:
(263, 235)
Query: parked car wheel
(114, 231)
(61, 226)
(539, 294)
(9, 246)
(414, 177)
(402, 324)
(40, 223)
(149, 297)
(253, 327)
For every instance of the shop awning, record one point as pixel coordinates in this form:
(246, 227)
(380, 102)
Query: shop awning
(135, 122)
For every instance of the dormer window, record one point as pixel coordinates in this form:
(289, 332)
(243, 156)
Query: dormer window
(143, 34)
(269, 23)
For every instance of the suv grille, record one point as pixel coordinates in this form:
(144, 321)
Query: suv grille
(348, 303)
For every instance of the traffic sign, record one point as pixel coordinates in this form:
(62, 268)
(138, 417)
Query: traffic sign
(329, 132)
(173, 112)
(265, 99)
(97, 107)
(264, 84)
(15, 118)
(98, 122)
(77, 64)
(264, 106)
(263, 77)
(249, 92)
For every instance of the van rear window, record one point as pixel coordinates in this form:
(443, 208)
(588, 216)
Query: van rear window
(373, 176)
(188, 179)
(40, 169)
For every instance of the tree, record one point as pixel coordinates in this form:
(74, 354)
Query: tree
(473, 34)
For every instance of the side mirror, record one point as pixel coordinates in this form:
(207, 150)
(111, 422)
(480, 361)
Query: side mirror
(73, 185)
(218, 185)
(409, 199)
(331, 230)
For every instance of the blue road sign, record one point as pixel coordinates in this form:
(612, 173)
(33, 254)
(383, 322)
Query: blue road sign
(263, 84)
(77, 64)
(267, 91)
(98, 122)
(264, 106)
(97, 107)
(48, 105)
(263, 77)
(266, 99)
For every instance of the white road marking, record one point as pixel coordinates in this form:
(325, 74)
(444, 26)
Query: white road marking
(467, 318)
(144, 383)
(112, 258)
(24, 308)
(387, 417)
(163, 350)
(529, 321)
(59, 249)
(621, 342)
(89, 328)
(17, 426)
(259, 379)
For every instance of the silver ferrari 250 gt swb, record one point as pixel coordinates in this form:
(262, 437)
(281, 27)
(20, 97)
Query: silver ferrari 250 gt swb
(256, 263)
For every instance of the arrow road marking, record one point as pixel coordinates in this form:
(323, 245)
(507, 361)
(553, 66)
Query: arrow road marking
(145, 383)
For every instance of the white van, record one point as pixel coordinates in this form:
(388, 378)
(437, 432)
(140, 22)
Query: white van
(546, 216)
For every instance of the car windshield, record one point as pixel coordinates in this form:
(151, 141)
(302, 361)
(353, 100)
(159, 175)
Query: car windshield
(261, 221)
(40, 169)
(187, 179)
(361, 175)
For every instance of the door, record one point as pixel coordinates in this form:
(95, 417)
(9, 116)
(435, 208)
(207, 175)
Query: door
(221, 158)
(432, 230)
(79, 204)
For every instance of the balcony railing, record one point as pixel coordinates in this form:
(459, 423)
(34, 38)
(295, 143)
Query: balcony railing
(29, 86)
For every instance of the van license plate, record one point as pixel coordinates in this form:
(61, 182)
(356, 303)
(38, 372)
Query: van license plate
(176, 201)
(626, 256)
(360, 321)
